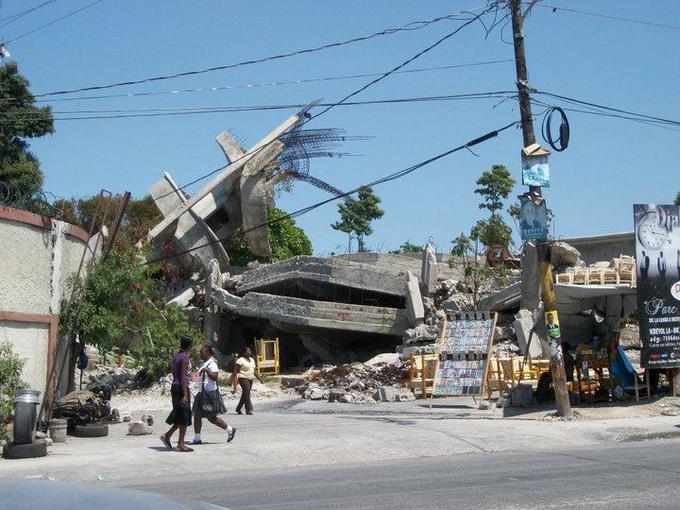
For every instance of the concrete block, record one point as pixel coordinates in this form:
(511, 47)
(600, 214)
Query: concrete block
(414, 301)
(139, 428)
(428, 272)
(522, 396)
(384, 394)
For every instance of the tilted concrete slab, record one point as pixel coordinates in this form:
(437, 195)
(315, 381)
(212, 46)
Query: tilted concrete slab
(191, 230)
(414, 300)
(216, 184)
(333, 271)
(314, 314)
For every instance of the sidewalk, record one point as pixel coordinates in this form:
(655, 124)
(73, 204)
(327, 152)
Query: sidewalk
(288, 440)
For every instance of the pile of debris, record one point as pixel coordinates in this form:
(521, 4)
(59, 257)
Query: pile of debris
(379, 380)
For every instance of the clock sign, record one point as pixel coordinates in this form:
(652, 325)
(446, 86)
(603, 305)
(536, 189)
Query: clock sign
(651, 233)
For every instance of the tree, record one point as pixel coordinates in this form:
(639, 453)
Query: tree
(286, 240)
(677, 199)
(495, 186)
(478, 278)
(408, 247)
(118, 307)
(140, 215)
(21, 120)
(356, 215)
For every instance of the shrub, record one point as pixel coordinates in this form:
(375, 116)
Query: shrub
(11, 366)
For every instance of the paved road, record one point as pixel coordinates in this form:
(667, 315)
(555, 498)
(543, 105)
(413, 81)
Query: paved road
(631, 475)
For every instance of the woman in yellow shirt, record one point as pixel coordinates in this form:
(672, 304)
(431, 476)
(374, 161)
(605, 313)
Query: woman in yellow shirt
(244, 374)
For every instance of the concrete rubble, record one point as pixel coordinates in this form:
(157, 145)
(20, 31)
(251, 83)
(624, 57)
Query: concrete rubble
(374, 381)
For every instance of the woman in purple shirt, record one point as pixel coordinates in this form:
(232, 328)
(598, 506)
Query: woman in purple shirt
(180, 417)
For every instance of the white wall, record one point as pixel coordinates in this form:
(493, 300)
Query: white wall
(29, 341)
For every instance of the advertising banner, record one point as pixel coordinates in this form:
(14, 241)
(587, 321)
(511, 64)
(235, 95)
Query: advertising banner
(536, 171)
(533, 220)
(657, 239)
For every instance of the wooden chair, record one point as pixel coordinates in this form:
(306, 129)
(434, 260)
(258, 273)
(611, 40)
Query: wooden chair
(421, 374)
(267, 353)
(637, 387)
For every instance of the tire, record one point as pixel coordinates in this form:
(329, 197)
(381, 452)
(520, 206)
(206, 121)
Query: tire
(25, 451)
(91, 430)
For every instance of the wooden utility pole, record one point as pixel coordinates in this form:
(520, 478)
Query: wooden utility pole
(543, 250)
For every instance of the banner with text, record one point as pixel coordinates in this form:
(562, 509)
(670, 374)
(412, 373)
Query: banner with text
(657, 239)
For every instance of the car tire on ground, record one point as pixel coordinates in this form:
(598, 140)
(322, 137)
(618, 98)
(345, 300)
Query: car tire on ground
(25, 451)
(91, 430)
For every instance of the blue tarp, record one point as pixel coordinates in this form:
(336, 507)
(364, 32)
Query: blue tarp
(622, 368)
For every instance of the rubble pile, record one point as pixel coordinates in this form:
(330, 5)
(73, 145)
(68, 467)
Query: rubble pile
(358, 383)
(422, 338)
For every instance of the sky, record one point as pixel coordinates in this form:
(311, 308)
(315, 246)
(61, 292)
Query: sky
(609, 165)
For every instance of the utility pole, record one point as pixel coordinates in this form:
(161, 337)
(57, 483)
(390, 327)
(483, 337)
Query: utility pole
(544, 269)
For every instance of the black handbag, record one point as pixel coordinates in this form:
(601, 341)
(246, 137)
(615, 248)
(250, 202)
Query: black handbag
(206, 402)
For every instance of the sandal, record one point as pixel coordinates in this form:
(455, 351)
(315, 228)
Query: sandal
(184, 449)
(165, 441)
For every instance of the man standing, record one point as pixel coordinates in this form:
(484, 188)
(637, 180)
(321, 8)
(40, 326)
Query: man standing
(677, 264)
(644, 266)
(661, 266)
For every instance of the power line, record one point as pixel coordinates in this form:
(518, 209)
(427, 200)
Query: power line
(609, 108)
(361, 89)
(19, 15)
(413, 25)
(36, 29)
(608, 16)
(271, 83)
(155, 112)
(388, 178)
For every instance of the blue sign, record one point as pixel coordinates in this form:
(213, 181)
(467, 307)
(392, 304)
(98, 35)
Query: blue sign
(535, 171)
(533, 220)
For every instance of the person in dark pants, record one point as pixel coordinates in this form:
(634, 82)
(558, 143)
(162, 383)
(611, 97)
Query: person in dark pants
(644, 266)
(180, 417)
(543, 389)
(244, 374)
(661, 267)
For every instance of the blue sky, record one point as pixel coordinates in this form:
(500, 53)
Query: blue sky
(609, 165)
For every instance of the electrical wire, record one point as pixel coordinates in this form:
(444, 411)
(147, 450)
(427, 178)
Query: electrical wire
(608, 16)
(36, 29)
(546, 129)
(388, 178)
(270, 83)
(11, 19)
(154, 112)
(309, 118)
(413, 25)
(608, 108)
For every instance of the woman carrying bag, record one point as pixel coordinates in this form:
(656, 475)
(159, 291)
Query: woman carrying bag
(208, 402)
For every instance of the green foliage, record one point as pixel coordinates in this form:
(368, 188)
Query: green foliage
(495, 186)
(677, 199)
(492, 232)
(286, 240)
(21, 120)
(118, 309)
(408, 247)
(478, 277)
(357, 214)
(140, 216)
(10, 381)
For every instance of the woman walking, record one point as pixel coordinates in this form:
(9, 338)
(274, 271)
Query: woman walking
(244, 373)
(208, 402)
(180, 417)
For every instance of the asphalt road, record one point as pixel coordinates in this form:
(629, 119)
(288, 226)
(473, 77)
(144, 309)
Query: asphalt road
(630, 475)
